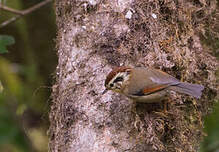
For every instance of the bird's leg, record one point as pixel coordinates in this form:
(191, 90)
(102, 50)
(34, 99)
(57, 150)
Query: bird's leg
(165, 106)
(164, 111)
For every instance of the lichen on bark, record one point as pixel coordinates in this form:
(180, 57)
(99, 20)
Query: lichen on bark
(93, 37)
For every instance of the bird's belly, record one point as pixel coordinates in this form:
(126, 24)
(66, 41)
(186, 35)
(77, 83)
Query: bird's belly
(151, 98)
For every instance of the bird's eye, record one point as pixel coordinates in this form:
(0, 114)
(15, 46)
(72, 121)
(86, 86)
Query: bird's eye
(111, 85)
(118, 79)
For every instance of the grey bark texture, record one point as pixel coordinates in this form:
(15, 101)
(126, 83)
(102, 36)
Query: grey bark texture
(96, 35)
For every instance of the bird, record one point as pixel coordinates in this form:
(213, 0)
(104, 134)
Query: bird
(147, 85)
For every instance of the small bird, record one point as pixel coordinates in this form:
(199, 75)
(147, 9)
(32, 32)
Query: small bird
(147, 85)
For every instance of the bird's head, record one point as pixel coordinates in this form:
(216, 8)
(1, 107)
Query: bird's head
(117, 78)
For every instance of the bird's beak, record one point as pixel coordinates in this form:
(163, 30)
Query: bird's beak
(104, 91)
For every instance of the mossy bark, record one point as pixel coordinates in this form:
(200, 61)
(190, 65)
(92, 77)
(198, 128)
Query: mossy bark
(93, 37)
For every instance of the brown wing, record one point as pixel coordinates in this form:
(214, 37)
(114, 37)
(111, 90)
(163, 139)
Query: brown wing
(147, 91)
(161, 77)
(153, 80)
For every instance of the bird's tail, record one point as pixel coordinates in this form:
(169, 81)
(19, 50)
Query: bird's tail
(194, 90)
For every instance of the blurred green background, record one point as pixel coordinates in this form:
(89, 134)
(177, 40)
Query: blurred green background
(26, 73)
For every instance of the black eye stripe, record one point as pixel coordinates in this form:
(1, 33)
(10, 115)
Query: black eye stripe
(118, 79)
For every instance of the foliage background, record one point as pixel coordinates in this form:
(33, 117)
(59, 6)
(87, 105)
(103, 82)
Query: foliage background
(26, 73)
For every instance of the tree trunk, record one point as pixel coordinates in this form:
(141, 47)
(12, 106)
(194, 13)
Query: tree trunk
(92, 38)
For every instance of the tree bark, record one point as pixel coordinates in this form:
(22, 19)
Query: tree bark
(92, 38)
